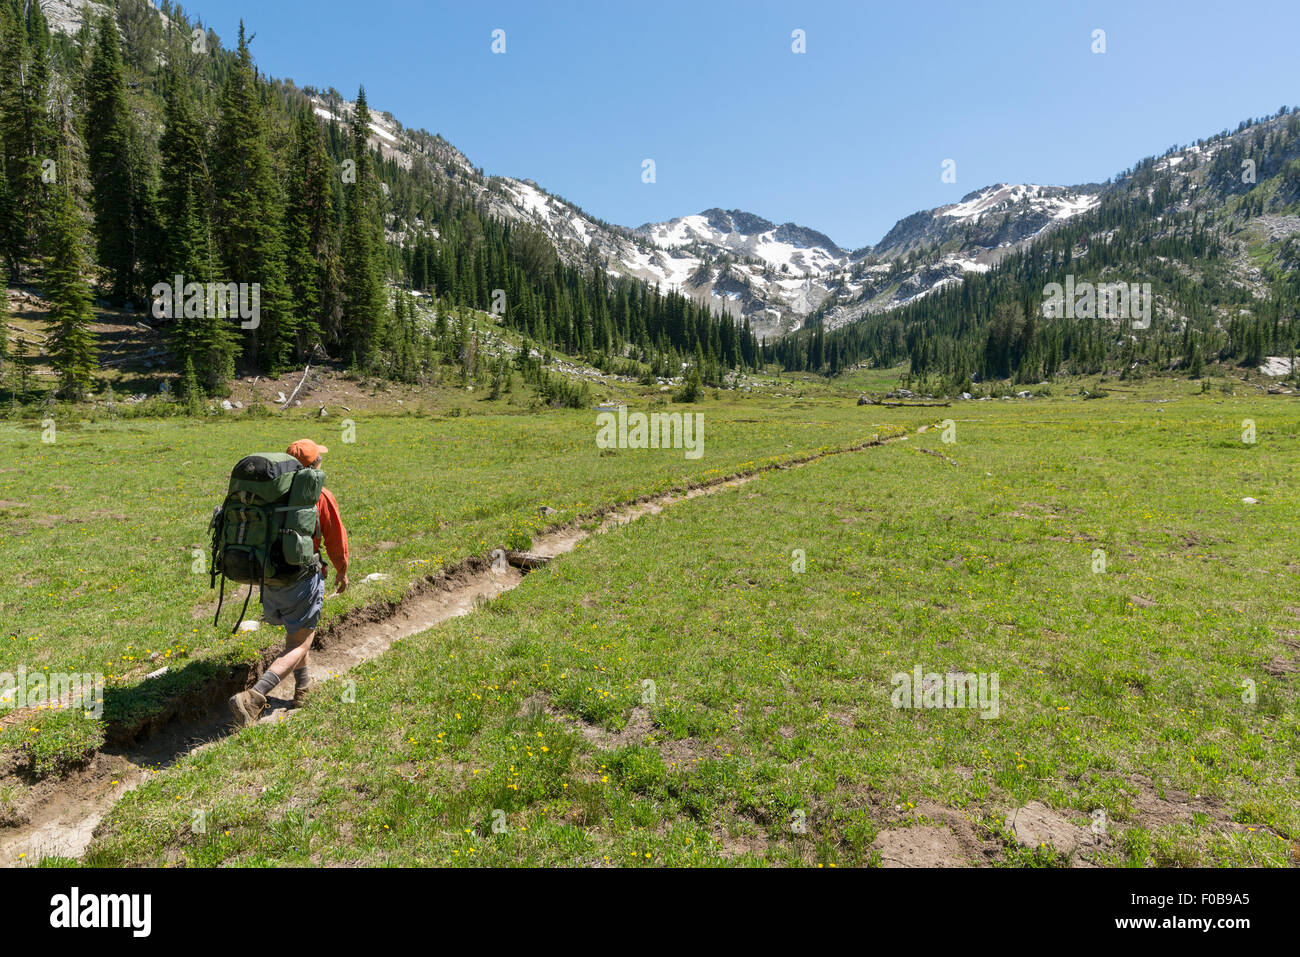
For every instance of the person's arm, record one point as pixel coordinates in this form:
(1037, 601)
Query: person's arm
(334, 536)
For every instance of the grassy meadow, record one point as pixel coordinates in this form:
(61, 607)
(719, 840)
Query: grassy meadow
(104, 530)
(712, 684)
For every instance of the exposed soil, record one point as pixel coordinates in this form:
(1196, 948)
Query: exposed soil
(951, 841)
(920, 846)
(1036, 824)
(1152, 809)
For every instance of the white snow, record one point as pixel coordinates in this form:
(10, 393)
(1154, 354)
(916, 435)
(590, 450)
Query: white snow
(381, 131)
(761, 245)
(1060, 207)
(530, 198)
(1075, 206)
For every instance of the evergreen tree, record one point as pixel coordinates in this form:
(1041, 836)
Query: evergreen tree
(116, 175)
(71, 344)
(250, 212)
(18, 375)
(205, 344)
(313, 262)
(363, 249)
(4, 331)
(25, 136)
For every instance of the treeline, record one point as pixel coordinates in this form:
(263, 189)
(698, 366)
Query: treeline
(140, 150)
(991, 325)
(514, 271)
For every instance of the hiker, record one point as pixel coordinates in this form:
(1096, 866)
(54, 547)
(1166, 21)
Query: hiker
(298, 606)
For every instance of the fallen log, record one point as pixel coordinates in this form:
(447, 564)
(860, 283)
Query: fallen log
(297, 387)
(938, 455)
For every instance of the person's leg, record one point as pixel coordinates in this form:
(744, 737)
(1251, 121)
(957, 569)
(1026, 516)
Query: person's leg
(301, 676)
(297, 645)
(302, 683)
(247, 705)
(298, 608)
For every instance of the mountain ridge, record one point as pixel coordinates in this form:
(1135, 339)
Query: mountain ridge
(775, 276)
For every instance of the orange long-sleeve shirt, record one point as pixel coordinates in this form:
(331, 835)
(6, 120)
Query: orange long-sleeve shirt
(332, 531)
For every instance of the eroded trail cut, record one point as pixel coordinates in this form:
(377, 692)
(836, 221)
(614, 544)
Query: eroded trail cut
(57, 817)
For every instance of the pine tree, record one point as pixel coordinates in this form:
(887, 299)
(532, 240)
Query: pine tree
(11, 255)
(18, 377)
(363, 249)
(4, 332)
(71, 344)
(250, 212)
(191, 394)
(206, 345)
(116, 173)
(313, 263)
(25, 137)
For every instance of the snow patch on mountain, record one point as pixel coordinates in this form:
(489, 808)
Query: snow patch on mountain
(385, 131)
(1053, 201)
(788, 247)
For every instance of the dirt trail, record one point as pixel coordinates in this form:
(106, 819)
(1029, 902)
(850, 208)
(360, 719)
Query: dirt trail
(61, 814)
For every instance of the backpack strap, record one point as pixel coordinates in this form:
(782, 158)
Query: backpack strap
(240, 620)
(218, 529)
(221, 597)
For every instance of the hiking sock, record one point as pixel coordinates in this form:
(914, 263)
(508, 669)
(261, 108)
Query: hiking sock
(300, 678)
(265, 683)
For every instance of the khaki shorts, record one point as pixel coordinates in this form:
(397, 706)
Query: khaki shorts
(295, 606)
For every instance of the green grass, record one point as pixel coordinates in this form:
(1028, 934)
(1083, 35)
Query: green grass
(52, 743)
(105, 541)
(772, 687)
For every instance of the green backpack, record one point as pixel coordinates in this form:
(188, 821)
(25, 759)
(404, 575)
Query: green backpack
(262, 533)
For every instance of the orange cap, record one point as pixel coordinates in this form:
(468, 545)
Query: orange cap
(306, 451)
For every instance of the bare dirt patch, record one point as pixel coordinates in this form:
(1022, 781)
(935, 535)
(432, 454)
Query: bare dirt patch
(57, 818)
(1280, 666)
(735, 845)
(932, 835)
(639, 724)
(682, 752)
(1152, 809)
(920, 846)
(1036, 824)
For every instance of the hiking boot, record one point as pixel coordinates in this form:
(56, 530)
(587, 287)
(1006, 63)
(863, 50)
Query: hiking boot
(247, 707)
(302, 692)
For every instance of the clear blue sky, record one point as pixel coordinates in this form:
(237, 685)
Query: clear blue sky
(845, 138)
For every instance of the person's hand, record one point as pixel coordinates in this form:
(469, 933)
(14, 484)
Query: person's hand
(324, 571)
(341, 580)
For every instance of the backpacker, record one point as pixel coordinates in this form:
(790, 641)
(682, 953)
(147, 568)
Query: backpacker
(262, 533)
